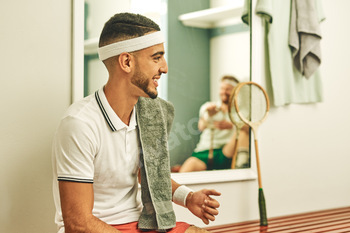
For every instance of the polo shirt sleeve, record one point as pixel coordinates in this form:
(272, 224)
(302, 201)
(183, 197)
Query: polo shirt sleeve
(203, 113)
(203, 110)
(74, 150)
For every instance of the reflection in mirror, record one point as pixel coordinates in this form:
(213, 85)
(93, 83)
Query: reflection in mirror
(215, 43)
(222, 145)
(206, 41)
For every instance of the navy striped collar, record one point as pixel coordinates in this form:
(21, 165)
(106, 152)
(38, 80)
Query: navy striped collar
(110, 116)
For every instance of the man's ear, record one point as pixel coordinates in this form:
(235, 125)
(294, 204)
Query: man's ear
(126, 62)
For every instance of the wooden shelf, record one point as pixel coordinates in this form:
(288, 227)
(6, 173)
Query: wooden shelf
(209, 18)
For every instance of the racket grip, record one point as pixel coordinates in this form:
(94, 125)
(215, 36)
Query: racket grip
(262, 208)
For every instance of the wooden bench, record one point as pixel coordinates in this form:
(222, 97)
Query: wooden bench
(333, 220)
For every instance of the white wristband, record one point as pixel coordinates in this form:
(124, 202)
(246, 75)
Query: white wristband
(181, 194)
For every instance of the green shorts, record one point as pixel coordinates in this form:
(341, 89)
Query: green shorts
(220, 160)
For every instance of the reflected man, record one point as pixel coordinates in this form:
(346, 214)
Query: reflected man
(217, 141)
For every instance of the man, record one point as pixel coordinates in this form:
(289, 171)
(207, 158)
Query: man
(218, 133)
(103, 140)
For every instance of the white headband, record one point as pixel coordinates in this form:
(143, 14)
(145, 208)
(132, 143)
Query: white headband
(231, 82)
(130, 45)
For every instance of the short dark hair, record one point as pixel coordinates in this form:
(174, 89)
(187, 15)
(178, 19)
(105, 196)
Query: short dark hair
(230, 77)
(125, 26)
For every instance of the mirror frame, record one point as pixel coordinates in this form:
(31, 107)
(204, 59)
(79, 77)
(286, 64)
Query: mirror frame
(256, 53)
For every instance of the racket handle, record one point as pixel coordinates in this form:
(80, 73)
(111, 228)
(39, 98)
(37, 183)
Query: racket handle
(262, 208)
(235, 152)
(210, 164)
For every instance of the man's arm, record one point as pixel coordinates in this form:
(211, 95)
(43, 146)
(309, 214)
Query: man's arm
(200, 203)
(223, 124)
(206, 111)
(77, 201)
(202, 124)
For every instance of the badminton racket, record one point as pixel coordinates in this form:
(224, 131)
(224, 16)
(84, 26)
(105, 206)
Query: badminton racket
(211, 126)
(211, 149)
(252, 105)
(237, 122)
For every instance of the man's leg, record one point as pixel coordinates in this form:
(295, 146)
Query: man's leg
(243, 141)
(193, 164)
(179, 228)
(229, 149)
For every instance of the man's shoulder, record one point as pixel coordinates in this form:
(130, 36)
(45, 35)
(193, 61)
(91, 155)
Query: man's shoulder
(85, 109)
(204, 106)
(217, 103)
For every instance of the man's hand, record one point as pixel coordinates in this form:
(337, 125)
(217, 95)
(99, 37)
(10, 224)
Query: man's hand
(202, 205)
(212, 109)
(223, 124)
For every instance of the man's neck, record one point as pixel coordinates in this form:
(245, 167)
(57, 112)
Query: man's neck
(121, 101)
(224, 107)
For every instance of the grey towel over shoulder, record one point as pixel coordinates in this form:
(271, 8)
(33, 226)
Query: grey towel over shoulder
(154, 119)
(305, 36)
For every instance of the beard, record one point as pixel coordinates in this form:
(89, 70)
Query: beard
(226, 99)
(141, 81)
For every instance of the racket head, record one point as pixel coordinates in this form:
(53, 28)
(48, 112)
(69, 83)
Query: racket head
(251, 103)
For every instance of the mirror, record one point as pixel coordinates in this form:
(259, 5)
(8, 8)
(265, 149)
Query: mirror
(206, 40)
(216, 43)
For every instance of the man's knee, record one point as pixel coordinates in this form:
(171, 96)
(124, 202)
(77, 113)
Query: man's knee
(194, 229)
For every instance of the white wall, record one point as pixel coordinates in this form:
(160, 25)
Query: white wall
(35, 90)
(234, 59)
(229, 53)
(304, 149)
(311, 162)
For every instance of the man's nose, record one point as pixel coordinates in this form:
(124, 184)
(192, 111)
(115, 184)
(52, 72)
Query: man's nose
(164, 67)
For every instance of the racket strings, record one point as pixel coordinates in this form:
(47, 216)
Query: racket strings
(258, 104)
(236, 120)
(233, 114)
(243, 101)
(251, 103)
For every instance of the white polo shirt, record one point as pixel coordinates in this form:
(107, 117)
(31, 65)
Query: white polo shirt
(92, 145)
(221, 137)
